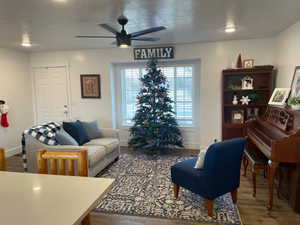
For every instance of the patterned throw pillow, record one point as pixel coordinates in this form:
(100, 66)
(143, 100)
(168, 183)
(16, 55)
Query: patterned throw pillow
(201, 157)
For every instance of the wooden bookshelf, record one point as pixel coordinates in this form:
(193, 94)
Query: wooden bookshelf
(263, 85)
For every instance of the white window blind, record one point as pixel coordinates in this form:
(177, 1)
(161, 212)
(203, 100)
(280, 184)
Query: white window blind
(181, 91)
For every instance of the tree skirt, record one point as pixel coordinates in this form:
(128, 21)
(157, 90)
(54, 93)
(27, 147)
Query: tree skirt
(143, 187)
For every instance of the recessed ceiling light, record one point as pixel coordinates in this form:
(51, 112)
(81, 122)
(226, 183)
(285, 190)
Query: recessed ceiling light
(26, 44)
(26, 40)
(123, 46)
(36, 188)
(60, 1)
(230, 29)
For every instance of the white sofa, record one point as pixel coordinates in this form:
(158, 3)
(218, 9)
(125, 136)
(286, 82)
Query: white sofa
(101, 151)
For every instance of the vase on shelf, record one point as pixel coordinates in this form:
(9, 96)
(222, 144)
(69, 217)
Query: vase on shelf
(239, 63)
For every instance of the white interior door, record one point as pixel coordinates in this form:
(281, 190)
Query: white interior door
(51, 94)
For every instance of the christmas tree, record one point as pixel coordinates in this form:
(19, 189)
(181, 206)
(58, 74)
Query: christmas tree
(155, 127)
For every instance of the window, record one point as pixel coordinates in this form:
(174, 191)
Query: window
(181, 90)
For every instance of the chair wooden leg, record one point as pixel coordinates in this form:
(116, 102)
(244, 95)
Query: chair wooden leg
(234, 195)
(86, 220)
(176, 188)
(279, 184)
(254, 182)
(245, 163)
(210, 207)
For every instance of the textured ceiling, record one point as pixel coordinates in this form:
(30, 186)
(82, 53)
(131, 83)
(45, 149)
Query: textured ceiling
(52, 24)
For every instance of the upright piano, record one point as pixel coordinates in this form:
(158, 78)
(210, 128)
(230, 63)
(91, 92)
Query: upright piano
(277, 135)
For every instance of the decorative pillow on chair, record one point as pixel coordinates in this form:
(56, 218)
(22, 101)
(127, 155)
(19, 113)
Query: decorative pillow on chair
(201, 157)
(63, 138)
(76, 130)
(92, 129)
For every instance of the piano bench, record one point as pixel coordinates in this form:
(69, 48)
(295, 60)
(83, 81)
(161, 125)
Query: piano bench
(258, 162)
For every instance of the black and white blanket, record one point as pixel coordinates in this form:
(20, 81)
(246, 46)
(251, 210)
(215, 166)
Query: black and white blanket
(44, 133)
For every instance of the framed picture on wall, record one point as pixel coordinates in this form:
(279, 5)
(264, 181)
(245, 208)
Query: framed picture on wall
(295, 87)
(90, 86)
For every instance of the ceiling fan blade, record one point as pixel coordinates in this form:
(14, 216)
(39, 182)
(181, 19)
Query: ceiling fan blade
(147, 31)
(108, 28)
(85, 36)
(145, 39)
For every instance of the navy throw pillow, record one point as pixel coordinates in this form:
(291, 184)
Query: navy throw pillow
(76, 130)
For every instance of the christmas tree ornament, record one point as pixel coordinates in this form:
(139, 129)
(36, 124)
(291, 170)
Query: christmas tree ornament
(245, 100)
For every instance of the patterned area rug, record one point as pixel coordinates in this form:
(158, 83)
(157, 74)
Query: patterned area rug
(143, 188)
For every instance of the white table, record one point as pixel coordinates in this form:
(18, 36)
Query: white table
(36, 199)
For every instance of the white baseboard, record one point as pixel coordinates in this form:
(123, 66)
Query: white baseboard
(13, 151)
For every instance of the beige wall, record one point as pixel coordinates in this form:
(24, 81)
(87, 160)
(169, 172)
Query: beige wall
(287, 54)
(15, 88)
(214, 58)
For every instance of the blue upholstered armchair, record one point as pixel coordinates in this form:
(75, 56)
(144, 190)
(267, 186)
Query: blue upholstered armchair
(219, 175)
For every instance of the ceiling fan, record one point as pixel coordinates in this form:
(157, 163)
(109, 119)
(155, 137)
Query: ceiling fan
(123, 39)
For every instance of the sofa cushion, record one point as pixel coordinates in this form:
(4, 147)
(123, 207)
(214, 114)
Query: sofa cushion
(109, 143)
(63, 138)
(92, 129)
(95, 154)
(76, 130)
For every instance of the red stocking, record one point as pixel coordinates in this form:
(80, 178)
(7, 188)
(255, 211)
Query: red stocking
(4, 121)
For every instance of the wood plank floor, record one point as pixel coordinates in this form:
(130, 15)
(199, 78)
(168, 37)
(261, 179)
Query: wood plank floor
(252, 210)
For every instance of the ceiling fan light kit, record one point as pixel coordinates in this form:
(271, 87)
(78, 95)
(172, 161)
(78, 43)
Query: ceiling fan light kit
(123, 39)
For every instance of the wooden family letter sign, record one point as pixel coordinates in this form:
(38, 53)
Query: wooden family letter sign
(153, 53)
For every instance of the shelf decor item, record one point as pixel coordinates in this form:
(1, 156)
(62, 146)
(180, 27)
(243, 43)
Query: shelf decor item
(247, 83)
(253, 96)
(294, 102)
(262, 88)
(90, 86)
(235, 100)
(248, 63)
(295, 87)
(245, 100)
(237, 116)
(279, 96)
(252, 113)
(239, 62)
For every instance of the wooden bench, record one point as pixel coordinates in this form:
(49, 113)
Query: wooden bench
(258, 162)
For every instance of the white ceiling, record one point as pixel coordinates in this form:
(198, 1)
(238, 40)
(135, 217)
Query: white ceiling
(52, 24)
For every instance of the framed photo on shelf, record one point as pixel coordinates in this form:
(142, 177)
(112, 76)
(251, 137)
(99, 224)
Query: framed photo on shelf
(248, 63)
(237, 116)
(90, 86)
(279, 96)
(295, 87)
